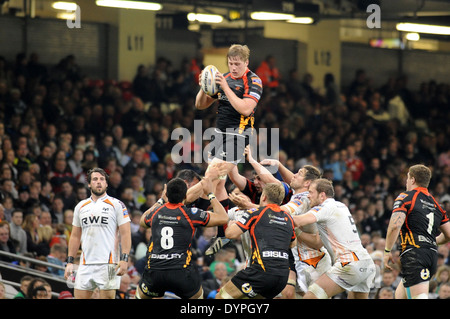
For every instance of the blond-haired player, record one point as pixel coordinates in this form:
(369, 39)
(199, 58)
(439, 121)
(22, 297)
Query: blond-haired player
(238, 95)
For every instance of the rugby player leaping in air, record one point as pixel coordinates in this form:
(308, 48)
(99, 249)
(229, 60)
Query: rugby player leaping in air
(238, 95)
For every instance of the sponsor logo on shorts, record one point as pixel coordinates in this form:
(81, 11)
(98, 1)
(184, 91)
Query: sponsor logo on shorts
(144, 288)
(425, 274)
(248, 290)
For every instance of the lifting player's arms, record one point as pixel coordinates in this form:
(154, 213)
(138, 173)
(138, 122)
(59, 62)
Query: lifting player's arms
(169, 254)
(272, 234)
(353, 269)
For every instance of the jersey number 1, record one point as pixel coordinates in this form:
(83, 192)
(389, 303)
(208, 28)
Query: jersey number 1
(430, 217)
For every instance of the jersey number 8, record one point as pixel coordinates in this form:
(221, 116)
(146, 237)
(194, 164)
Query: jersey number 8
(167, 237)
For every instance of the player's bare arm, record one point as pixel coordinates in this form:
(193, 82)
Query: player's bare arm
(311, 240)
(156, 205)
(444, 236)
(193, 193)
(233, 231)
(219, 215)
(285, 173)
(242, 201)
(125, 241)
(244, 106)
(395, 224)
(237, 179)
(265, 175)
(74, 245)
(302, 220)
(203, 100)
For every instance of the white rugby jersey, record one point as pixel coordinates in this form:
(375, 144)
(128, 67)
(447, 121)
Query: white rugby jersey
(338, 231)
(100, 223)
(299, 205)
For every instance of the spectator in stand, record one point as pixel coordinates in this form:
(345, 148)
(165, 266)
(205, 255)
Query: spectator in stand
(442, 276)
(18, 235)
(115, 184)
(269, 73)
(106, 150)
(45, 218)
(31, 225)
(46, 195)
(57, 256)
(142, 84)
(6, 243)
(211, 286)
(68, 195)
(75, 163)
(354, 164)
(57, 210)
(59, 174)
(67, 226)
(444, 292)
(23, 288)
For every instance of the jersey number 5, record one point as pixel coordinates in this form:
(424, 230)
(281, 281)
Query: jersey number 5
(352, 221)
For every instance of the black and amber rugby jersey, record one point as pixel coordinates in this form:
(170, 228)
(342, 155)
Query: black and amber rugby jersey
(248, 86)
(271, 232)
(173, 228)
(424, 216)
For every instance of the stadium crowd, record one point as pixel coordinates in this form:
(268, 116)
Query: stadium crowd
(56, 123)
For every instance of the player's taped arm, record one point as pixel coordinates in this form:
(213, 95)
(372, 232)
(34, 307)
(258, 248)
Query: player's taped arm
(219, 216)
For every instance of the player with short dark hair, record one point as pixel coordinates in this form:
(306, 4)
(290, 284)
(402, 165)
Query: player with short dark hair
(417, 217)
(169, 266)
(97, 223)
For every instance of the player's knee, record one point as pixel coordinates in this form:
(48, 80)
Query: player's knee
(223, 294)
(317, 291)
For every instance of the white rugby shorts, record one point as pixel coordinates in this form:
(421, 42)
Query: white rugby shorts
(307, 274)
(356, 276)
(103, 276)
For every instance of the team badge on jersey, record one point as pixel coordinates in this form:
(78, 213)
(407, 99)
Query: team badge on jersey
(257, 81)
(124, 209)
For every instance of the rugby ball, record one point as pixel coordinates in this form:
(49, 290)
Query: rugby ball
(208, 80)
